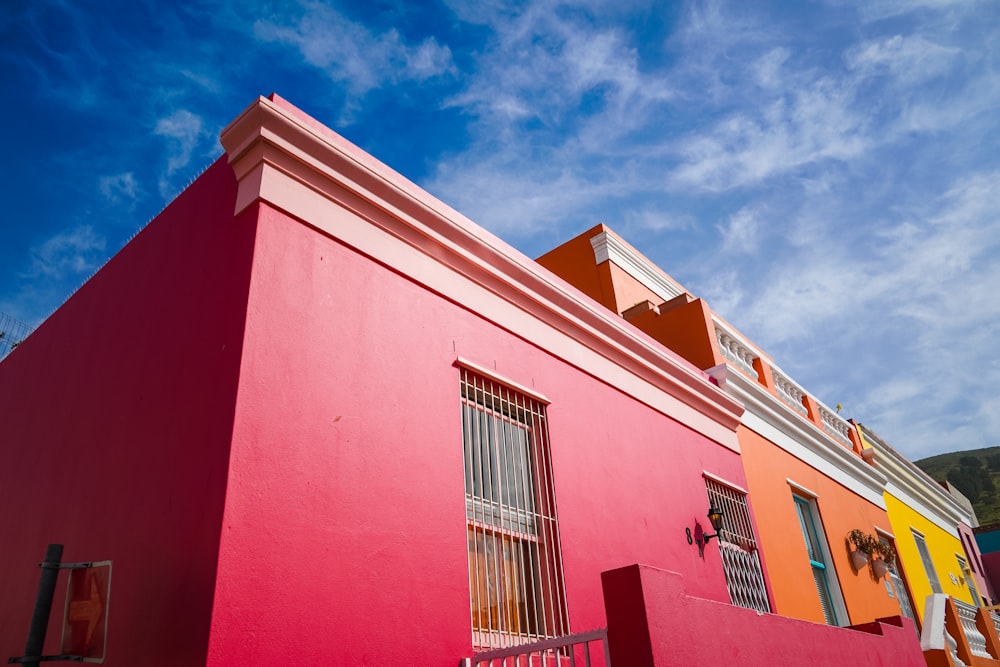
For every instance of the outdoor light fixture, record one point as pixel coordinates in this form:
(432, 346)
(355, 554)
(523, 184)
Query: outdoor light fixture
(715, 516)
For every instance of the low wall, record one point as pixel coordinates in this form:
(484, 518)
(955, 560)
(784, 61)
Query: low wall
(652, 622)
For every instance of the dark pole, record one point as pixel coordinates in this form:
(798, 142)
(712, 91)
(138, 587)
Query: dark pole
(43, 604)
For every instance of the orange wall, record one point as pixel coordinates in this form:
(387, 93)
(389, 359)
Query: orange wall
(767, 469)
(686, 328)
(606, 283)
(573, 261)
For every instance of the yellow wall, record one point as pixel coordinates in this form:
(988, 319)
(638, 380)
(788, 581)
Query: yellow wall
(942, 545)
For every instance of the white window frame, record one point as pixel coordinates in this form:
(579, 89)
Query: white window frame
(925, 557)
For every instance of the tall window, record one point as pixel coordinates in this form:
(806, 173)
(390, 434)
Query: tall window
(738, 548)
(515, 565)
(822, 574)
(970, 582)
(925, 557)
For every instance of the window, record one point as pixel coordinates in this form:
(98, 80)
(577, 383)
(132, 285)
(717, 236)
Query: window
(515, 568)
(818, 559)
(896, 587)
(966, 573)
(738, 548)
(925, 557)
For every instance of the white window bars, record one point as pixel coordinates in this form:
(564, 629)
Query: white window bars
(738, 548)
(515, 563)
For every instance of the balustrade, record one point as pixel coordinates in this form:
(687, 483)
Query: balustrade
(735, 350)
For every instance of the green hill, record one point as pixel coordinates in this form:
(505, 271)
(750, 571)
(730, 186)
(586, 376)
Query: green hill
(976, 473)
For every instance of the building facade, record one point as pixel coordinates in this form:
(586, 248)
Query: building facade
(312, 413)
(806, 479)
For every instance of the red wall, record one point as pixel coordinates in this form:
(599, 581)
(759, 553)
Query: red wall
(654, 622)
(344, 538)
(115, 422)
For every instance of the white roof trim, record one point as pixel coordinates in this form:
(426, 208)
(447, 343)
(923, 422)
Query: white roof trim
(292, 162)
(609, 247)
(914, 487)
(771, 418)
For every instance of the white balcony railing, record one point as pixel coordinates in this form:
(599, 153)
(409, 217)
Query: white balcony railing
(735, 350)
(789, 392)
(835, 425)
(976, 639)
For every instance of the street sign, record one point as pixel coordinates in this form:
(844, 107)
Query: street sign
(85, 621)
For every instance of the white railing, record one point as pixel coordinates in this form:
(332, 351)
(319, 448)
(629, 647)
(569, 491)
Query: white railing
(569, 651)
(996, 621)
(976, 639)
(834, 425)
(735, 350)
(934, 635)
(789, 392)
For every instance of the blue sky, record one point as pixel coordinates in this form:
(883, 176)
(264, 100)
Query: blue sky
(826, 174)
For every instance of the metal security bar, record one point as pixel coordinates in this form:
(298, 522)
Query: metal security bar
(515, 563)
(570, 651)
(12, 333)
(738, 548)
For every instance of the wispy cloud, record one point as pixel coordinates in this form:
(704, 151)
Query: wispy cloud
(183, 132)
(352, 54)
(73, 252)
(119, 188)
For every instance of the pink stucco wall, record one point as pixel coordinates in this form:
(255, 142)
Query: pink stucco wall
(344, 528)
(260, 427)
(115, 422)
(653, 621)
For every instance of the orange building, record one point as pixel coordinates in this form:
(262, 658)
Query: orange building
(808, 484)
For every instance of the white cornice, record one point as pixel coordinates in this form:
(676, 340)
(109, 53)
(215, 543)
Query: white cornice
(915, 488)
(778, 423)
(293, 163)
(609, 247)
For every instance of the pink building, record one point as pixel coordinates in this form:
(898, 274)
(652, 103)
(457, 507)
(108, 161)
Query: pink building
(313, 414)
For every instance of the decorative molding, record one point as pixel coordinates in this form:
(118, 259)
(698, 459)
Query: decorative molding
(803, 490)
(915, 488)
(290, 161)
(769, 416)
(609, 247)
(491, 374)
(724, 482)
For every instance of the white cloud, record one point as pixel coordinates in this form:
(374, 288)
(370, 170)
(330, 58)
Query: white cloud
(741, 231)
(352, 54)
(119, 187)
(910, 60)
(183, 130)
(72, 252)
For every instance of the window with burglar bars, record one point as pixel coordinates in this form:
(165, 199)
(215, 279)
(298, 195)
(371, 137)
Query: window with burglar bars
(896, 587)
(738, 548)
(515, 563)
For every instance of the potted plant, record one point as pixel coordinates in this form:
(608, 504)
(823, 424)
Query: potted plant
(884, 555)
(863, 546)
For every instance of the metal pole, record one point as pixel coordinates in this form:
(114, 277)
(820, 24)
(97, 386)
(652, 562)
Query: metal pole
(43, 604)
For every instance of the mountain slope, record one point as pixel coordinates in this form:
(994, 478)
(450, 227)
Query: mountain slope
(974, 472)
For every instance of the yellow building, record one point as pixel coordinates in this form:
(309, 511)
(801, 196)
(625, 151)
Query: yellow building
(925, 519)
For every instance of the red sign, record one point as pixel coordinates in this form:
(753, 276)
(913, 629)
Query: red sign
(85, 624)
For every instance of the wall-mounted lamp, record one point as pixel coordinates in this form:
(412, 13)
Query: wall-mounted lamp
(715, 517)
